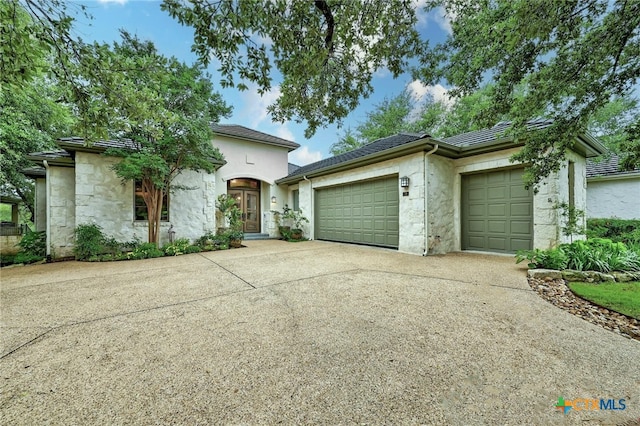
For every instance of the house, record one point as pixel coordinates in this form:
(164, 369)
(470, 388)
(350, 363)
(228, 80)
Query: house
(612, 192)
(76, 185)
(408, 192)
(421, 195)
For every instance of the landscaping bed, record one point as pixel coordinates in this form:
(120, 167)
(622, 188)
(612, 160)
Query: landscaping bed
(555, 290)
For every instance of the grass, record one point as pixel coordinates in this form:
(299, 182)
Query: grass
(619, 297)
(5, 212)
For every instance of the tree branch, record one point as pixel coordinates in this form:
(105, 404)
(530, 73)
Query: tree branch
(328, 16)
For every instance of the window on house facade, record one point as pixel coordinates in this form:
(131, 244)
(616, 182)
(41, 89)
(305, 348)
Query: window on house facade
(140, 208)
(296, 200)
(572, 184)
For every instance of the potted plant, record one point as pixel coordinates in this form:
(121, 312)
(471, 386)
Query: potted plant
(296, 219)
(224, 204)
(234, 234)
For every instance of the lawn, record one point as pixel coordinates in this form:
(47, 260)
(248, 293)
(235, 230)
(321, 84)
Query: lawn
(619, 297)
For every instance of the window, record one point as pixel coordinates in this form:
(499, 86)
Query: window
(572, 184)
(296, 200)
(140, 208)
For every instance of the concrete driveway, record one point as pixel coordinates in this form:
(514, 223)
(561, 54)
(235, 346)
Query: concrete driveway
(311, 332)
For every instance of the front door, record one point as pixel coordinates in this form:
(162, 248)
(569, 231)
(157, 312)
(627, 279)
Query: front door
(248, 201)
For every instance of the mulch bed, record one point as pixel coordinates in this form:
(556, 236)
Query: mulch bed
(556, 292)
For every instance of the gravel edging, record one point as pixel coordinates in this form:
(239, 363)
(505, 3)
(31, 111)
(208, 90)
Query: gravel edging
(556, 292)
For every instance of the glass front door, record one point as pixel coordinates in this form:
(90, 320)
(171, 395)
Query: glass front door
(248, 201)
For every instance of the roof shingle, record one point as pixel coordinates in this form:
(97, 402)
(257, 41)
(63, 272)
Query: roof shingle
(246, 133)
(607, 167)
(492, 134)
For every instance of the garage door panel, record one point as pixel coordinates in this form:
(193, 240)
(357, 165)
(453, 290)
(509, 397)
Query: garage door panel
(499, 209)
(497, 212)
(364, 212)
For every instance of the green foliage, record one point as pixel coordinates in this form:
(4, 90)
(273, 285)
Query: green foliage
(192, 249)
(30, 120)
(210, 241)
(34, 244)
(26, 258)
(573, 220)
(325, 52)
(561, 60)
(617, 230)
(90, 241)
(146, 251)
(176, 248)
(162, 107)
(292, 221)
(620, 297)
(596, 254)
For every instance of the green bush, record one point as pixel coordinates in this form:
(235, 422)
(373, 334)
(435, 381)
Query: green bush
(146, 251)
(176, 248)
(34, 244)
(192, 249)
(595, 254)
(90, 241)
(617, 230)
(23, 257)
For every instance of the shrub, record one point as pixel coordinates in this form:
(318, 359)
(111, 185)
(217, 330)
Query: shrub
(90, 241)
(177, 247)
(192, 249)
(33, 245)
(596, 254)
(617, 230)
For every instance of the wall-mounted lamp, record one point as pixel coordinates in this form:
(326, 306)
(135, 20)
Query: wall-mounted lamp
(273, 199)
(404, 182)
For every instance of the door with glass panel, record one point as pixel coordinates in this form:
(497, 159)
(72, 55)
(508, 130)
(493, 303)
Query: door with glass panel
(247, 195)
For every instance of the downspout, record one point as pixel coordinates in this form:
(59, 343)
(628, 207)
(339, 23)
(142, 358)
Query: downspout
(48, 208)
(313, 216)
(426, 198)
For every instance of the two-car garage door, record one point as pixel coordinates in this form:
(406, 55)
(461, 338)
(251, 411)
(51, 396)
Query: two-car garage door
(363, 212)
(497, 212)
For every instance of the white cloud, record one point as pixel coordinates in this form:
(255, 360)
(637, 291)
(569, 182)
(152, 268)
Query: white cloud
(303, 156)
(443, 18)
(255, 105)
(283, 132)
(120, 2)
(421, 13)
(419, 91)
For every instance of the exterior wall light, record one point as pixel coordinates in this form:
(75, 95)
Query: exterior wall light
(404, 182)
(273, 199)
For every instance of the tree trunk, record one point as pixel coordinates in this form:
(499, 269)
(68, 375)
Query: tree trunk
(153, 200)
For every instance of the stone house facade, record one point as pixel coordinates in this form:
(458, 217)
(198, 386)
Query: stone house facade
(612, 192)
(408, 192)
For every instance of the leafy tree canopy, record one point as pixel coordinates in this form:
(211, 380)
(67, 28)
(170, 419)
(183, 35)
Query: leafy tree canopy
(164, 107)
(326, 51)
(563, 60)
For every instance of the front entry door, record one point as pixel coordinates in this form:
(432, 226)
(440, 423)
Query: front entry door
(249, 203)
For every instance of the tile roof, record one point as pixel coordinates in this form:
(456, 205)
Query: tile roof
(374, 147)
(607, 167)
(50, 155)
(246, 133)
(292, 168)
(79, 142)
(492, 134)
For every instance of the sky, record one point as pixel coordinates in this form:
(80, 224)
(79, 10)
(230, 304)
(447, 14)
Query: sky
(145, 19)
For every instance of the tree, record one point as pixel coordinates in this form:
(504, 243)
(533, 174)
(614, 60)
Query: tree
(611, 122)
(347, 142)
(31, 31)
(326, 51)
(31, 119)
(562, 60)
(161, 109)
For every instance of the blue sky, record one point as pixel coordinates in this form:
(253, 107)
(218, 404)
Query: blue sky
(145, 19)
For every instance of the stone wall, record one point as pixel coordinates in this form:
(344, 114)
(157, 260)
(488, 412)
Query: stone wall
(103, 199)
(441, 227)
(62, 210)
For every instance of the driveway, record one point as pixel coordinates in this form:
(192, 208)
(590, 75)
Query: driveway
(311, 332)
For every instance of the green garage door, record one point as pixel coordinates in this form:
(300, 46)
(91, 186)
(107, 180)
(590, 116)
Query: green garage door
(362, 212)
(497, 212)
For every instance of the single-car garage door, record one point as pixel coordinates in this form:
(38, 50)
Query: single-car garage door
(497, 212)
(363, 212)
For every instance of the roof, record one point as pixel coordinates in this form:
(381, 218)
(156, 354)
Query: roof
(374, 149)
(292, 168)
(492, 134)
(242, 132)
(608, 167)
